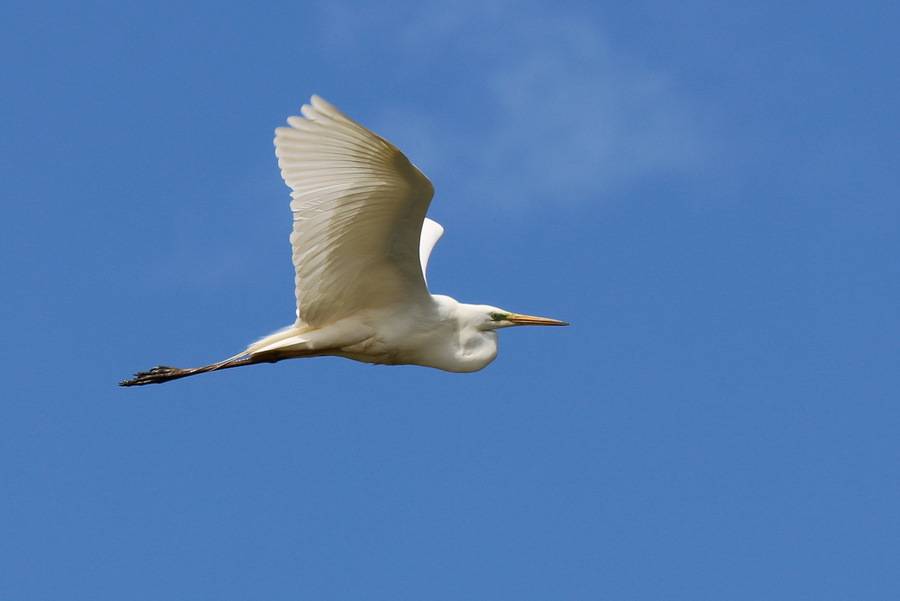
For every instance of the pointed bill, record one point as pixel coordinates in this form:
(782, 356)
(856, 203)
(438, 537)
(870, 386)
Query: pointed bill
(529, 320)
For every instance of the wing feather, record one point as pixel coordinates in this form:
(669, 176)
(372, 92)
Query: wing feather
(358, 206)
(431, 233)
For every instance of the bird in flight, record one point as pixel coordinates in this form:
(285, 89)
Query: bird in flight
(361, 244)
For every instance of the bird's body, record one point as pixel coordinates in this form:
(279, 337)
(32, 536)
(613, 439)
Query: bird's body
(442, 333)
(361, 244)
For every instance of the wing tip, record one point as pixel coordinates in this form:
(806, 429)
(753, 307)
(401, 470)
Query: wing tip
(318, 107)
(436, 227)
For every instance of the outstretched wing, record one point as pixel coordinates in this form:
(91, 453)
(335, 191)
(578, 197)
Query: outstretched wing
(358, 206)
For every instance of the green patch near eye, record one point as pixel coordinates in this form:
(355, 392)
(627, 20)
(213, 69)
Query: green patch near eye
(499, 316)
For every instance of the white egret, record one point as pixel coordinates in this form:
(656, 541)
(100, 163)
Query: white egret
(361, 244)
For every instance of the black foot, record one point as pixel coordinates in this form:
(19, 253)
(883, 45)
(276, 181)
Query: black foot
(157, 375)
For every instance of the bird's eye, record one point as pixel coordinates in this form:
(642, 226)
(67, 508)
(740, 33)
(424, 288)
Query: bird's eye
(498, 316)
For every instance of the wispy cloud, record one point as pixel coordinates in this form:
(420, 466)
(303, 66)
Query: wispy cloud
(551, 109)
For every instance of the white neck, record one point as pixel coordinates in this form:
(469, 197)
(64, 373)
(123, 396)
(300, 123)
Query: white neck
(460, 343)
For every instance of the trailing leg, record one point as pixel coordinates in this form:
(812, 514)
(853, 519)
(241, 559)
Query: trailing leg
(162, 373)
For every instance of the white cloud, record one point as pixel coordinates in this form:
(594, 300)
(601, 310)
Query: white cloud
(549, 109)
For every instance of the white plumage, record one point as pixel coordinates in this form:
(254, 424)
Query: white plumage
(361, 244)
(358, 210)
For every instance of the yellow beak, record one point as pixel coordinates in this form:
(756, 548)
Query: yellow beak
(528, 320)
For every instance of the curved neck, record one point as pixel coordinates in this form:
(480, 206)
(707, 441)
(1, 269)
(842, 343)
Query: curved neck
(457, 342)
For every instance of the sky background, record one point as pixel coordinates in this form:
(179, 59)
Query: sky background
(707, 191)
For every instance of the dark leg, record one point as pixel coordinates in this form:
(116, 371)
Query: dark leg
(161, 374)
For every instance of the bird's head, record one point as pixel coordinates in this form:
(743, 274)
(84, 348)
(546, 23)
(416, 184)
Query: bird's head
(492, 318)
(474, 343)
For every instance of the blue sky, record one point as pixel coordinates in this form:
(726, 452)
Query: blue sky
(706, 191)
